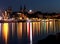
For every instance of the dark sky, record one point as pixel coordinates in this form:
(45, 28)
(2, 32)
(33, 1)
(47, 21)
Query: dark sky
(42, 5)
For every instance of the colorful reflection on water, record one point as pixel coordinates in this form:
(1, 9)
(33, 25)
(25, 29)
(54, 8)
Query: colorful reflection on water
(5, 32)
(27, 32)
(0, 29)
(19, 30)
(13, 28)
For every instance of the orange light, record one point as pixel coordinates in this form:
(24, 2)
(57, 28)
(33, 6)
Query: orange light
(5, 32)
(19, 30)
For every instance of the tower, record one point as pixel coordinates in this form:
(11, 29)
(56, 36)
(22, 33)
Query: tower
(9, 11)
(24, 7)
(20, 7)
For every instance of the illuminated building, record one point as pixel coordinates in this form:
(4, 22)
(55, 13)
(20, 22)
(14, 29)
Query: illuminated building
(9, 11)
(5, 15)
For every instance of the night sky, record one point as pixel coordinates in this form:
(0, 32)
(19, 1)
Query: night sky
(42, 5)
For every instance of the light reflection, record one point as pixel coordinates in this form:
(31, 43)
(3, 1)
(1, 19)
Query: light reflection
(19, 30)
(59, 26)
(0, 29)
(51, 26)
(50, 23)
(13, 28)
(44, 27)
(39, 28)
(0, 26)
(28, 29)
(54, 27)
(25, 28)
(33, 28)
(5, 32)
(30, 33)
(47, 27)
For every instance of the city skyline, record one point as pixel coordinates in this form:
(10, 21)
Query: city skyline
(29, 21)
(41, 5)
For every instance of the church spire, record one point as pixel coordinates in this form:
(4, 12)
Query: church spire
(24, 7)
(20, 7)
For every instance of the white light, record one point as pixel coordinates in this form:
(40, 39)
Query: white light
(18, 13)
(30, 33)
(28, 28)
(0, 18)
(28, 20)
(43, 20)
(0, 29)
(30, 10)
(12, 18)
(5, 12)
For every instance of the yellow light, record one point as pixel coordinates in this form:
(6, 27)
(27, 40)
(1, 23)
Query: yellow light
(47, 27)
(33, 28)
(5, 32)
(50, 22)
(20, 18)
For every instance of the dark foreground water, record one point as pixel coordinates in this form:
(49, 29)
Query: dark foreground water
(27, 32)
